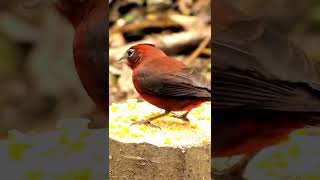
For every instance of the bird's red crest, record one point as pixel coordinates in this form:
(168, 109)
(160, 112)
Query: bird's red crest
(147, 44)
(143, 45)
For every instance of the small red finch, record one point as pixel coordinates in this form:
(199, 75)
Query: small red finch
(88, 18)
(165, 82)
(264, 87)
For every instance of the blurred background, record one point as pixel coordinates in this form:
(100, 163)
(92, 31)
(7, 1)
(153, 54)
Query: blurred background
(299, 20)
(41, 91)
(38, 81)
(182, 29)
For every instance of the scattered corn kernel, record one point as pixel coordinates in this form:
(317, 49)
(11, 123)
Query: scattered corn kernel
(143, 128)
(194, 126)
(205, 140)
(134, 135)
(134, 117)
(153, 131)
(112, 126)
(114, 108)
(173, 131)
(167, 141)
(132, 104)
(123, 132)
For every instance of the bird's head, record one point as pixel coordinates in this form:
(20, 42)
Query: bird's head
(77, 10)
(135, 54)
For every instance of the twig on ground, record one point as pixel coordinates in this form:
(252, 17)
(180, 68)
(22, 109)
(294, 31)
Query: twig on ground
(196, 53)
(166, 42)
(141, 25)
(206, 51)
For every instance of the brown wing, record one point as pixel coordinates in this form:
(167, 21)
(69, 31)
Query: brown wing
(187, 83)
(257, 68)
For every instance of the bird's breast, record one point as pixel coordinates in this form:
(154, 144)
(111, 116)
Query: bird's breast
(90, 55)
(171, 104)
(237, 134)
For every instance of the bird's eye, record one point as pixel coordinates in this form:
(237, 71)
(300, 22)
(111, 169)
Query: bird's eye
(133, 55)
(130, 53)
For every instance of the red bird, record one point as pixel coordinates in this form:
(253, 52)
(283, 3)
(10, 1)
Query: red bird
(88, 18)
(264, 86)
(165, 82)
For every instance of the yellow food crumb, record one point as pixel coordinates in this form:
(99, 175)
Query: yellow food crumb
(134, 117)
(118, 118)
(172, 131)
(194, 126)
(167, 141)
(132, 104)
(123, 132)
(153, 131)
(135, 135)
(143, 128)
(205, 140)
(170, 115)
(112, 126)
(198, 111)
(114, 108)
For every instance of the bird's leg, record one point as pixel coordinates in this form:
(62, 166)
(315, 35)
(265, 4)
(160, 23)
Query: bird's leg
(234, 172)
(183, 116)
(148, 121)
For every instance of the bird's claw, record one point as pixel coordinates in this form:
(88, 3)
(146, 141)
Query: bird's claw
(182, 117)
(145, 122)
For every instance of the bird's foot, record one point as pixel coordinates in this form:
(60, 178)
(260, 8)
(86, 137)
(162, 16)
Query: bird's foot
(146, 122)
(183, 117)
